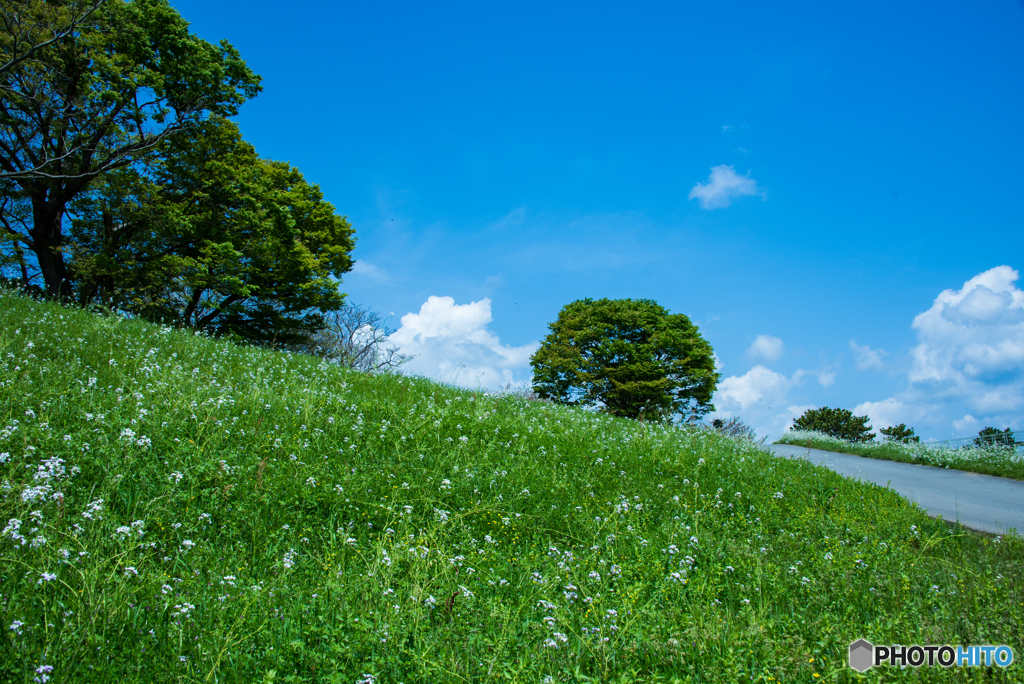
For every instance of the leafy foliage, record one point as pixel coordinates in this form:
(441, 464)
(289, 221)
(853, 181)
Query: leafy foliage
(991, 436)
(839, 423)
(122, 78)
(206, 235)
(629, 356)
(900, 433)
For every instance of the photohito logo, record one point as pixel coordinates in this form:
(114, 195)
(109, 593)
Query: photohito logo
(864, 655)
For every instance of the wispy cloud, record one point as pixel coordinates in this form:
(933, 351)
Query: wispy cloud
(865, 357)
(364, 268)
(766, 348)
(723, 186)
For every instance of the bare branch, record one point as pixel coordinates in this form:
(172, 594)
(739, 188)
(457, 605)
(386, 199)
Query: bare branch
(356, 337)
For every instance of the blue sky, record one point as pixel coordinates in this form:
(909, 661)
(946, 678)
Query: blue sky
(804, 180)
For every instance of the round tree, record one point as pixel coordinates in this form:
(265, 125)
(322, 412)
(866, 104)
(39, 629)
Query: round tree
(630, 357)
(839, 423)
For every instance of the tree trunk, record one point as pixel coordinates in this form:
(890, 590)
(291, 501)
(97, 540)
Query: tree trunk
(48, 238)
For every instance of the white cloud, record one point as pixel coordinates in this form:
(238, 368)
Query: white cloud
(756, 386)
(760, 397)
(969, 360)
(889, 412)
(966, 424)
(866, 357)
(451, 343)
(766, 348)
(971, 343)
(722, 187)
(370, 271)
(784, 421)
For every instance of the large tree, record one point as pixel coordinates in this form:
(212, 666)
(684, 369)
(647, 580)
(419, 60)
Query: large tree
(87, 89)
(629, 356)
(207, 235)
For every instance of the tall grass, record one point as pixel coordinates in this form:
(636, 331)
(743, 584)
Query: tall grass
(181, 509)
(990, 460)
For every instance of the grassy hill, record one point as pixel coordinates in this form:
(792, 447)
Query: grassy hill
(181, 509)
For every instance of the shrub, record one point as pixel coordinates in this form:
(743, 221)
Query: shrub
(991, 436)
(840, 423)
(900, 433)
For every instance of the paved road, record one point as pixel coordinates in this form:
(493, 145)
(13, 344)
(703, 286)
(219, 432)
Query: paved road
(981, 502)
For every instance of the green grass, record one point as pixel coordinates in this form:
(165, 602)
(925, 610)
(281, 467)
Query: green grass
(178, 509)
(999, 461)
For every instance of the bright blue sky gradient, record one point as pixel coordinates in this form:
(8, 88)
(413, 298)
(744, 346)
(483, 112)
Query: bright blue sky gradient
(533, 155)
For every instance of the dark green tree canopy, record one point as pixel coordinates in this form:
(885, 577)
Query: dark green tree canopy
(839, 423)
(991, 436)
(208, 235)
(117, 79)
(629, 356)
(900, 433)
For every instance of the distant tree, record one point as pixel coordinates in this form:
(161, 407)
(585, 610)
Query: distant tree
(629, 356)
(87, 88)
(839, 423)
(737, 429)
(356, 337)
(991, 436)
(900, 433)
(209, 236)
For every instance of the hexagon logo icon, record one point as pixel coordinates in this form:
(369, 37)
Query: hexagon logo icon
(862, 655)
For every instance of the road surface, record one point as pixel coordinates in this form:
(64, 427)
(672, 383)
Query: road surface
(981, 502)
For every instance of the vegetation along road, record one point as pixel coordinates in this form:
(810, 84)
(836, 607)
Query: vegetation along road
(981, 502)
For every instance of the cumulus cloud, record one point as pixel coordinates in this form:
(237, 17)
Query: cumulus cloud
(766, 348)
(722, 187)
(865, 357)
(888, 412)
(966, 424)
(969, 359)
(761, 398)
(451, 343)
(973, 338)
(758, 397)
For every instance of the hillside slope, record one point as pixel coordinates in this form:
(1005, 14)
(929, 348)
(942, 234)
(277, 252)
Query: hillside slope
(181, 509)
